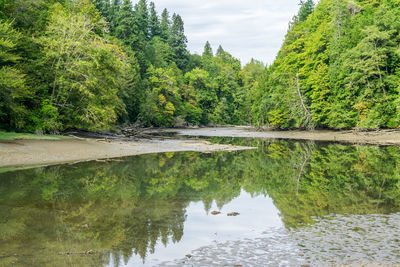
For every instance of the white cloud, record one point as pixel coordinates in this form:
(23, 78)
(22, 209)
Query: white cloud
(246, 29)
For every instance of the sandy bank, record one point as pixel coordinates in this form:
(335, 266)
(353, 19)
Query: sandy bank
(383, 137)
(46, 152)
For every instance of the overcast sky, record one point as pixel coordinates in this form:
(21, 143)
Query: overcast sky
(247, 29)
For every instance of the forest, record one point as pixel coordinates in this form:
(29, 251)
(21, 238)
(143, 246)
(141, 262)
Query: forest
(95, 64)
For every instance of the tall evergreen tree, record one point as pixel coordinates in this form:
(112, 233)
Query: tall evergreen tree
(141, 25)
(178, 42)
(125, 27)
(113, 14)
(306, 8)
(154, 22)
(207, 52)
(165, 25)
(100, 5)
(220, 51)
(142, 19)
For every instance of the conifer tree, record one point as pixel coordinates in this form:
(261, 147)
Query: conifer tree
(141, 24)
(124, 29)
(142, 19)
(165, 25)
(100, 5)
(106, 10)
(306, 8)
(208, 53)
(113, 13)
(154, 22)
(220, 51)
(178, 42)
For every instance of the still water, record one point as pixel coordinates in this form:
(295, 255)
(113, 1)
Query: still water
(296, 203)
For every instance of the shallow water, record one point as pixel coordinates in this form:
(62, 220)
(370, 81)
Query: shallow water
(298, 203)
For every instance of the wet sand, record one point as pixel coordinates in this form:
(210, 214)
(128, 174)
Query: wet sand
(382, 137)
(20, 153)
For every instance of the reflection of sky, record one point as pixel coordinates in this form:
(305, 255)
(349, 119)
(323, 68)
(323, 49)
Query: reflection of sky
(256, 215)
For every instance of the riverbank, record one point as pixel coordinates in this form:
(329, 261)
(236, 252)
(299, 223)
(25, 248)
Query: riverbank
(30, 152)
(19, 153)
(381, 137)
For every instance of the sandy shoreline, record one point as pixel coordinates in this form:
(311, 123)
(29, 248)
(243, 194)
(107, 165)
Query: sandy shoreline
(382, 137)
(20, 153)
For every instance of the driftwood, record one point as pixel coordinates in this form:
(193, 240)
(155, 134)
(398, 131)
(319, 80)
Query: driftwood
(139, 133)
(131, 131)
(135, 132)
(127, 133)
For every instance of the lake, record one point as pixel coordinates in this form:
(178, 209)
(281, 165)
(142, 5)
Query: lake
(285, 203)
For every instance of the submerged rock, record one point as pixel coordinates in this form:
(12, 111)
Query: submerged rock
(215, 212)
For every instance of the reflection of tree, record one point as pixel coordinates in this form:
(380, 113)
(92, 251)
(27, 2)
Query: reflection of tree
(123, 207)
(334, 179)
(120, 207)
(307, 149)
(305, 179)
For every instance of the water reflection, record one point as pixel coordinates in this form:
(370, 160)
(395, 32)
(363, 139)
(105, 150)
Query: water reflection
(201, 230)
(145, 208)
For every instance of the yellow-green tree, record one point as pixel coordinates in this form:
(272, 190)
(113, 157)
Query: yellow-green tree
(87, 72)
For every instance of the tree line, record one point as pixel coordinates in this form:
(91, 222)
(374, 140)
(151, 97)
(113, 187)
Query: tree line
(95, 64)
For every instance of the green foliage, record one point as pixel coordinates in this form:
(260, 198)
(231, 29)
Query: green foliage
(165, 25)
(92, 63)
(159, 53)
(338, 68)
(162, 101)
(306, 9)
(73, 64)
(124, 28)
(9, 39)
(28, 15)
(87, 72)
(13, 94)
(177, 41)
(199, 81)
(3, 8)
(207, 53)
(250, 80)
(154, 22)
(13, 90)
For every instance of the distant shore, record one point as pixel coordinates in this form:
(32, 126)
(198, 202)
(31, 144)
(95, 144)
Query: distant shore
(378, 137)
